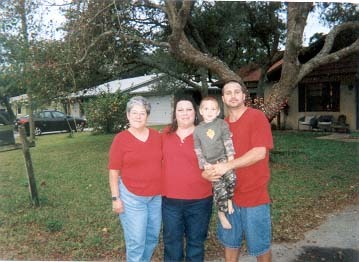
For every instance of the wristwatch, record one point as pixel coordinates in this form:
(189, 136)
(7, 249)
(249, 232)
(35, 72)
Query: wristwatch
(114, 198)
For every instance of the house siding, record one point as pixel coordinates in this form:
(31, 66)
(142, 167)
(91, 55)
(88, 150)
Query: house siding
(161, 110)
(347, 108)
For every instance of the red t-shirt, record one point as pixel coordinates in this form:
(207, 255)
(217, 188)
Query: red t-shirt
(251, 130)
(139, 162)
(182, 178)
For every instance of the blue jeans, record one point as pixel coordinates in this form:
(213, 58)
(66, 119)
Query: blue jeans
(185, 220)
(141, 223)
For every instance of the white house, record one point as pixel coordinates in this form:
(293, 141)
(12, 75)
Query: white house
(162, 105)
(142, 85)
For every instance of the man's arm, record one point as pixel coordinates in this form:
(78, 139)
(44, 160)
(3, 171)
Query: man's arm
(251, 157)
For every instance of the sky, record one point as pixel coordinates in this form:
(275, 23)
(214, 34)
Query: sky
(51, 17)
(313, 26)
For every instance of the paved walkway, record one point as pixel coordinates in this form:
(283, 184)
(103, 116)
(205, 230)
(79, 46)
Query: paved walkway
(341, 137)
(337, 239)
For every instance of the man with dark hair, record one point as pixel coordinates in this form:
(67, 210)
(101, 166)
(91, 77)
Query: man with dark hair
(252, 139)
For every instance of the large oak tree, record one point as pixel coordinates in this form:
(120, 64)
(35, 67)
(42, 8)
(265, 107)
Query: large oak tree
(144, 28)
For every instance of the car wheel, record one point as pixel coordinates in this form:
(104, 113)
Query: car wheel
(38, 131)
(79, 127)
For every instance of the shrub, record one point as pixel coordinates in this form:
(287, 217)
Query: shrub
(107, 112)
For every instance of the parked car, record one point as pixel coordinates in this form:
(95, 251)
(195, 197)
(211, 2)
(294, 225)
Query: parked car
(51, 121)
(4, 118)
(6, 130)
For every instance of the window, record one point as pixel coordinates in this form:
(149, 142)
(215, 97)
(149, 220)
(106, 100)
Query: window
(19, 109)
(316, 97)
(45, 115)
(58, 114)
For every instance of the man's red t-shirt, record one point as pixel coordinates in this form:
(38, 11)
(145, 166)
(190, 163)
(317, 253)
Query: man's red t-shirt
(251, 130)
(139, 162)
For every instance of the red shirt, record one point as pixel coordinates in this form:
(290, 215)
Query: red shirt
(182, 177)
(251, 130)
(139, 162)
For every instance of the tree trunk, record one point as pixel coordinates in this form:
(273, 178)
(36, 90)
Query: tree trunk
(25, 77)
(279, 93)
(31, 118)
(292, 71)
(29, 168)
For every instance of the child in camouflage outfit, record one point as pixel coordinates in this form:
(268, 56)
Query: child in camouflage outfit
(213, 144)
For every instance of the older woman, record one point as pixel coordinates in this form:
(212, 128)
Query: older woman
(135, 181)
(187, 197)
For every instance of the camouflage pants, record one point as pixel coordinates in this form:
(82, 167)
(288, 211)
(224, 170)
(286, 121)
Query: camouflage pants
(223, 190)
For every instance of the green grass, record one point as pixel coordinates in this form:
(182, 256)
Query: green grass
(74, 220)
(310, 177)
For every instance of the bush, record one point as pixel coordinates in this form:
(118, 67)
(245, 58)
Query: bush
(107, 113)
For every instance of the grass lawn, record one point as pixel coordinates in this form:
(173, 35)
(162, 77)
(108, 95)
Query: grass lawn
(310, 178)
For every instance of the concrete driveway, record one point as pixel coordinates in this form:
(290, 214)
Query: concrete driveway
(337, 239)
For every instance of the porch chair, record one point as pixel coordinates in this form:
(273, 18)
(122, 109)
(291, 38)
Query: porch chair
(340, 125)
(325, 122)
(307, 122)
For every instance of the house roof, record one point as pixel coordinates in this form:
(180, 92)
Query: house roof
(345, 66)
(250, 73)
(275, 66)
(140, 84)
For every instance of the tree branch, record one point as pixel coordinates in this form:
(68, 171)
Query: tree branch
(166, 70)
(145, 41)
(125, 37)
(178, 20)
(325, 59)
(196, 36)
(183, 50)
(100, 12)
(330, 38)
(107, 33)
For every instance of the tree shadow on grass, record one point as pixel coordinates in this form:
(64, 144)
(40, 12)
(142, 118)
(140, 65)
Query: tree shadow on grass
(328, 254)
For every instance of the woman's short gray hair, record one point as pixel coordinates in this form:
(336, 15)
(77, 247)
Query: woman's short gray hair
(138, 100)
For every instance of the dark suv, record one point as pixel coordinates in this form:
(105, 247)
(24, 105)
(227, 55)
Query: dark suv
(52, 121)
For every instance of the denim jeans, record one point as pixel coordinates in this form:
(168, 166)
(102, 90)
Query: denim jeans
(141, 223)
(185, 221)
